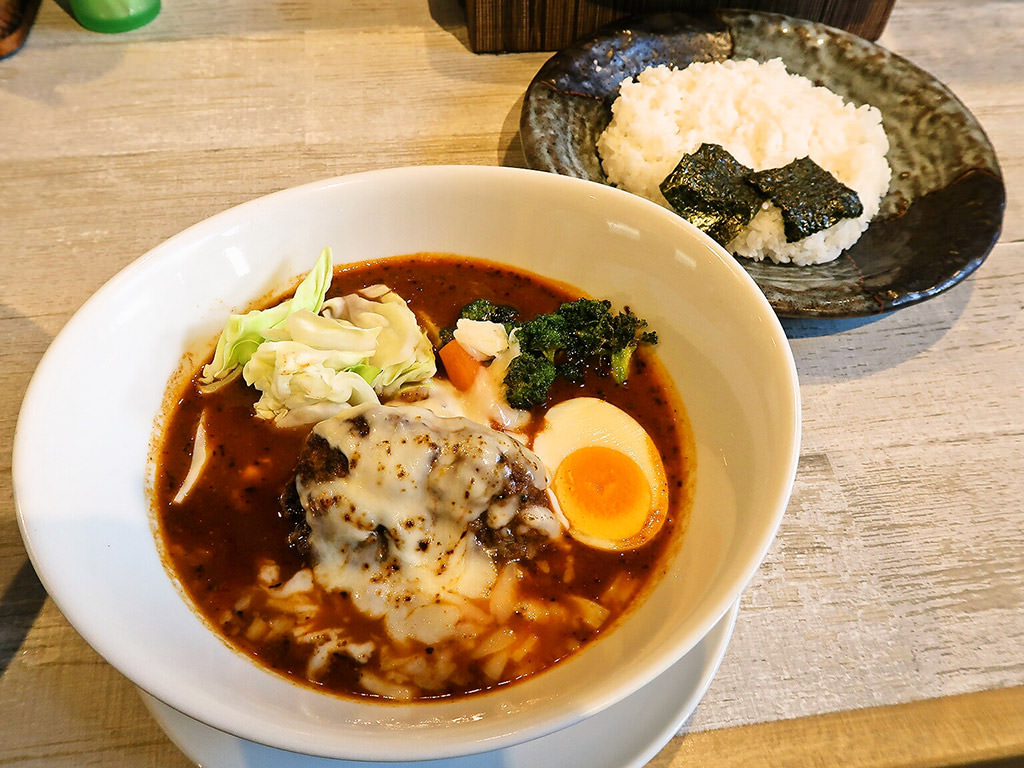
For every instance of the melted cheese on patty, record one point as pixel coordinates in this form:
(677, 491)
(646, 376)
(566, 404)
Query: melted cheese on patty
(392, 495)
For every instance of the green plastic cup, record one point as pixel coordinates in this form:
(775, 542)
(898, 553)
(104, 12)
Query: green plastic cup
(114, 15)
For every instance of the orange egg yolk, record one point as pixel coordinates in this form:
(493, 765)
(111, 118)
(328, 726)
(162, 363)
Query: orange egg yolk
(603, 493)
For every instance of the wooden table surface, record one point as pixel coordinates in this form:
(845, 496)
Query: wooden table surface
(885, 627)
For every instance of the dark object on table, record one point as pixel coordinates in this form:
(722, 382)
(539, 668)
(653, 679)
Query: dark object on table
(16, 19)
(944, 208)
(811, 199)
(548, 25)
(710, 189)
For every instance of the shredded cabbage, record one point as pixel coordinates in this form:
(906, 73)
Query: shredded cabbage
(302, 385)
(243, 334)
(403, 353)
(311, 367)
(308, 367)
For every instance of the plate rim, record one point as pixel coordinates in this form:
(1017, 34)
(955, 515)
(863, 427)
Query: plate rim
(727, 18)
(712, 648)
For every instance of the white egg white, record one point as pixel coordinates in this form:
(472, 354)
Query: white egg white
(589, 421)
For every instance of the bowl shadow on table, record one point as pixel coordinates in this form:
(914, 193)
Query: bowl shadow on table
(20, 606)
(512, 154)
(831, 349)
(23, 597)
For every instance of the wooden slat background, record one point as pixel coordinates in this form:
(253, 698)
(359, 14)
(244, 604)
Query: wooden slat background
(547, 25)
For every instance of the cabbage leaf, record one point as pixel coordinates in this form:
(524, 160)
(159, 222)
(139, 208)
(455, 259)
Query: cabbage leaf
(403, 353)
(312, 366)
(303, 385)
(309, 366)
(243, 334)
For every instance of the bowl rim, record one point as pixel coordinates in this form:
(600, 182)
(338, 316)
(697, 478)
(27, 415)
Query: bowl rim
(170, 249)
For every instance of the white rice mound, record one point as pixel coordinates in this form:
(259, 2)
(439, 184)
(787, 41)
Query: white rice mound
(766, 118)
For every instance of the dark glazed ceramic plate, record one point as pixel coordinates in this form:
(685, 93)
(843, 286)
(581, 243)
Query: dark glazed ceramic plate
(944, 208)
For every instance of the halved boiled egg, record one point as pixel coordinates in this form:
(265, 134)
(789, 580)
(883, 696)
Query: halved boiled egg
(608, 478)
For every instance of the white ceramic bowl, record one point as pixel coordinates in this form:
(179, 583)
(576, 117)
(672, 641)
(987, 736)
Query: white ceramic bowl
(88, 418)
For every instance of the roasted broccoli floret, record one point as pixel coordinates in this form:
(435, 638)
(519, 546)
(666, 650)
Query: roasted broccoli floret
(544, 335)
(579, 336)
(478, 309)
(483, 309)
(528, 380)
(627, 334)
(597, 338)
(589, 326)
(585, 334)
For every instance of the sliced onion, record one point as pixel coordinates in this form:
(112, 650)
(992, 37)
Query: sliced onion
(200, 455)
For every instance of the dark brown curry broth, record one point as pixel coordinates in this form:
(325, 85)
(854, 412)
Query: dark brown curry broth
(231, 520)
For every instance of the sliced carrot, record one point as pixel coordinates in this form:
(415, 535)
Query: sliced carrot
(461, 367)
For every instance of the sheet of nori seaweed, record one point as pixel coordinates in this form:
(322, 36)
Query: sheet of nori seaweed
(709, 189)
(811, 199)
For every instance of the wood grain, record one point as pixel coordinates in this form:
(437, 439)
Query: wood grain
(897, 577)
(547, 25)
(984, 728)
